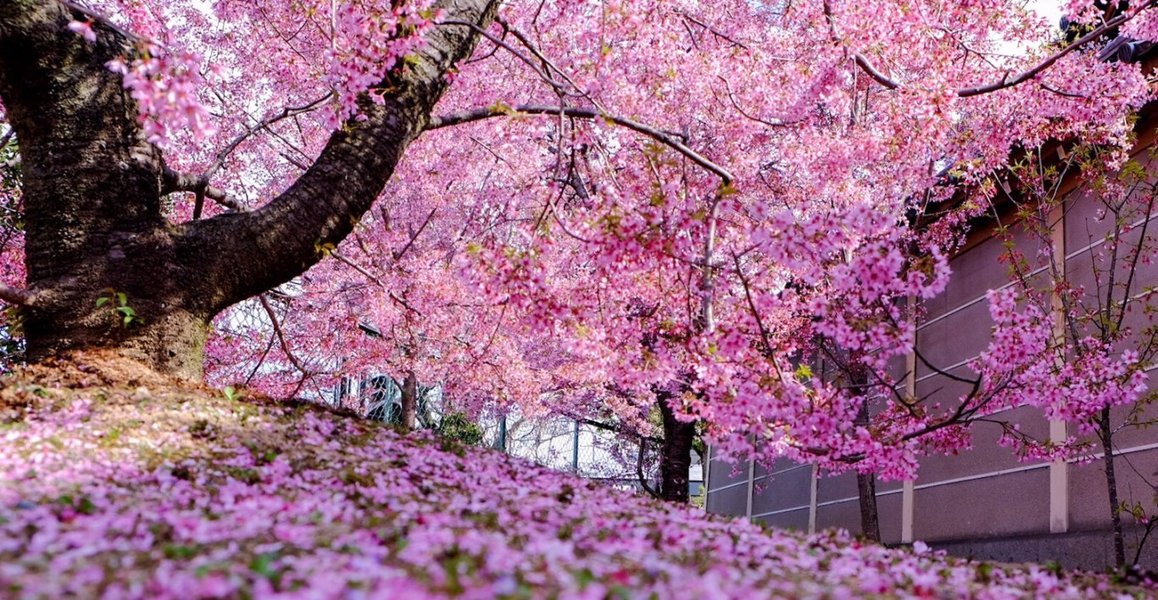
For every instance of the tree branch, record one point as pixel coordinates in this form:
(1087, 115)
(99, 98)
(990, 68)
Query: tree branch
(863, 62)
(1048, 62)
(281, 339)
(1007, 81)
(293, 231)
(172, 181)
(287, 112)
(640, 475)
(663, 137)
(713, 30)
(16, 296)
(559, 88)
(414, 236)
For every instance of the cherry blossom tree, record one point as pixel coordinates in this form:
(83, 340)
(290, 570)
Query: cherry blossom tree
(1082, 335)
(607, 204)
(93, 102)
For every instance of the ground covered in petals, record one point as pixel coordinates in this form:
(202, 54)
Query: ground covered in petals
(156, 490)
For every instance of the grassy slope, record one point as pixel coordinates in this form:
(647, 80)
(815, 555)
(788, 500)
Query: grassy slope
(116, 482)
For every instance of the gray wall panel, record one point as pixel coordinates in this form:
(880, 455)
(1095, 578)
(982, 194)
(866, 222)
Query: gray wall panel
(1014, 503)
(1089, 500)
(731, 501)
(790, 489)
(796, 520)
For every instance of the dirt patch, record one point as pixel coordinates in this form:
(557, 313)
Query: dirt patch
(97, 368)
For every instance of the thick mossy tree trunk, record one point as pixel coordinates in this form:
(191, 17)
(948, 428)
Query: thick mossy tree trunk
(92, 191)
(676, 453)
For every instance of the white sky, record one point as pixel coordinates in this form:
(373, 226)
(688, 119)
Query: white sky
(1050, 9)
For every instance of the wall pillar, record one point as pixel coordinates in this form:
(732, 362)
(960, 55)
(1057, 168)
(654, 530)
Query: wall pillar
(812, 493)
(908, 492)
(1059, 493)
(751, 487)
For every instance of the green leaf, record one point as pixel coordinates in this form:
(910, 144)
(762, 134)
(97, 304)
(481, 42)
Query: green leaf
(103, 300)
(86, 506)
(263, 565)
(177, 551)
(804, 372)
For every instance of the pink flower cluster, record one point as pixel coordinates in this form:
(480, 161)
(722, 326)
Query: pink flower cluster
(165, 86)
(368, 42)
(1026, 364)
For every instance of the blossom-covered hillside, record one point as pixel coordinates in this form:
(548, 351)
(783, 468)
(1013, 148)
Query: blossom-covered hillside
(153, 490)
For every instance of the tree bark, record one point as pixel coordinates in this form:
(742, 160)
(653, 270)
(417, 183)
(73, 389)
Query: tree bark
(1105, 433)
(866, 488)
(676, 453)
(409, 401)
(93, 185)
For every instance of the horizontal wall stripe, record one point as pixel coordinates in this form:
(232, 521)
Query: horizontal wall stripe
(1032, 273)
(782, 511)
(989, 475)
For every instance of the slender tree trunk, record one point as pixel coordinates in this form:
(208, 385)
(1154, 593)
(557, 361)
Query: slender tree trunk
(866, 487)
(676, 455)
(1106, 435)
(409, 401)
(866, 483)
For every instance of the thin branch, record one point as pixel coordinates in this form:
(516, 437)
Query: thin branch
(173, 181)
(639, 472)
(872, 71)
(414, 236)
(261, 361)
(764, 337)
(1137, 255)
(548, 65)
(940, 371)
(713, 30)
(287, 112)
(582, 113)
(358, 268)
(16, 296)
(614, 429)
(104, 21)
(284, 344)
(514, 51)
(1008, 80)
(745, 114)
(394, 297)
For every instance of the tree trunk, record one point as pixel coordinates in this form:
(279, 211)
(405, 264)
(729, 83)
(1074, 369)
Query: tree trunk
(92, 196)
(866, 483)
(676, 455)
(1106, 434)
(409, 401)
(866, 487)
(92, 188)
